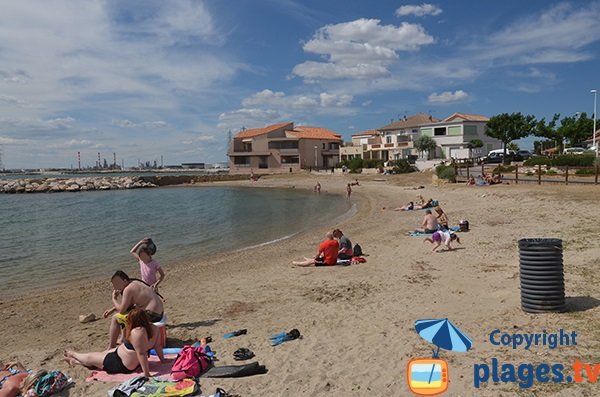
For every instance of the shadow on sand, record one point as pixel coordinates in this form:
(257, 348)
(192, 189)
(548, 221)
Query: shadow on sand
(581, 303)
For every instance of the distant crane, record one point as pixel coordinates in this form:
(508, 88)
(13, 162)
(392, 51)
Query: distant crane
(1, 163)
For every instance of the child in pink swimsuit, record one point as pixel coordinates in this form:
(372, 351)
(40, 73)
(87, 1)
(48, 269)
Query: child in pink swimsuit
(143, 252)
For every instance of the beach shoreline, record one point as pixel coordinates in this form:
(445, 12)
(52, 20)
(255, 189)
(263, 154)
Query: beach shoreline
(357, 321)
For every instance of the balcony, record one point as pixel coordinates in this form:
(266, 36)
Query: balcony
(240, 153)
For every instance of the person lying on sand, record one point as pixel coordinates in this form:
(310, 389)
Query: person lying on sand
(406, 207)
(12, 376)
(442, 237)
(427, 204)
(326, 255)
(140, 336)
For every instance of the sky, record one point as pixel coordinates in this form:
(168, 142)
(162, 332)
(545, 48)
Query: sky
(151, 78)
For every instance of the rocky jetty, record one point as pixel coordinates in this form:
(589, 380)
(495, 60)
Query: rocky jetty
(54, 185)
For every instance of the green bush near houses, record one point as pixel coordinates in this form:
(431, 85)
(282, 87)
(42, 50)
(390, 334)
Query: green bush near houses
(502, 168)
(402, 166)
(551, 172)
(572, 160)
(585, 171)
(446, 172)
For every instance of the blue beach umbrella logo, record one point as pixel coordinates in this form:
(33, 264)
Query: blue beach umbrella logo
(429, 376)
(443, 334)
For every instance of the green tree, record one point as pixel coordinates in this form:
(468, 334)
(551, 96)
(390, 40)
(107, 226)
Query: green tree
(550, 131)
(473, 144)
(425, 143)
(509, 127)
(576, 129)
(513, 146)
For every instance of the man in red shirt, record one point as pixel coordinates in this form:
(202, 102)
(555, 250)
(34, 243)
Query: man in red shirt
(327, 255)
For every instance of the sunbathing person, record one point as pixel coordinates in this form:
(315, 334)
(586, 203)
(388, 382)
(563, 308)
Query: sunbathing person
(442, 218)
(326, 255)
(406, 207)
(140, 336)
(429, 225)
(12, 376)
(442, 237)
(345, 245)
(133, 294)
(427, 204)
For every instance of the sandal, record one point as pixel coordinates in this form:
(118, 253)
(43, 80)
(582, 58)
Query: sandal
(242, 354)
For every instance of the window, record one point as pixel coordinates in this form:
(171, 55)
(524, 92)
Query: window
(290, 160)
(324, 146)
(243, 160)
(283, 145)
(437, 131)
(388, 139)
(247, 147)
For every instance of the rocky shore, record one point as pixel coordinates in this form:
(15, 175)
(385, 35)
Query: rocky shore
(55, 185)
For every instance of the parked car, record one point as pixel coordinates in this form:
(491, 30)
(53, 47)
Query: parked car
(497, 156)
(574, 150)
(524, 154)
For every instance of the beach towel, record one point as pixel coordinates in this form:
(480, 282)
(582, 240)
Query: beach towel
(418, 234)
(143, 387)
(157, 370)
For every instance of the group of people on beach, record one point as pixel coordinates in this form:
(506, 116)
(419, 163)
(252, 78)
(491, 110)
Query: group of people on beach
(137, 306)
(335, 246)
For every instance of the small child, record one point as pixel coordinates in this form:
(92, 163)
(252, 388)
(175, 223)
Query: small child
(442, 236)
(143, 252)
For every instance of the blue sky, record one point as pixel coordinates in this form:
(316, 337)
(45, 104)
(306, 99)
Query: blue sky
(149, 78)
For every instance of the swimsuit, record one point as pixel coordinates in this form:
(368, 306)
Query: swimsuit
(113, 364)
(13, 371)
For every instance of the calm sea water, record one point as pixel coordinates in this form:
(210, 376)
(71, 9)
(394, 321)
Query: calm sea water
(47, 239)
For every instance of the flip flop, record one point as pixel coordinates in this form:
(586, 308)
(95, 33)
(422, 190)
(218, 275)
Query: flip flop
(242, 354)
(235, 333)
(284, 337)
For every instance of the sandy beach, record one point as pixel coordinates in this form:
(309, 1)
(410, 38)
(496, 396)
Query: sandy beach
(357, 321)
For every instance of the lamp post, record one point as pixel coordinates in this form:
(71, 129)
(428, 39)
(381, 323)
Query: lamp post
(316, 162)
(594, 132)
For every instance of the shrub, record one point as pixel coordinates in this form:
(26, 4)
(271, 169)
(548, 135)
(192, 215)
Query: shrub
(373, 163)
(551, 172)
(529, 173)
(402, 167)
(573, 160)
(355, 165)
(445, 172)
(585, 171)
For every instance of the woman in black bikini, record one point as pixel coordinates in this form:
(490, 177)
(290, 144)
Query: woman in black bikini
(140, 336)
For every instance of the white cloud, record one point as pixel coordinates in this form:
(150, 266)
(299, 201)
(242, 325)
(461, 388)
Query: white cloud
(360, 49)
(328, 100)
(448, 97)
(146, 124)
(557, 35)
(418, 10)
(247, 117)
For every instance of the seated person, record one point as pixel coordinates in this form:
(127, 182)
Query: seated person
(140, 336)
(12, 377)
(133, 294)
(326, 255)
(406, 207)
(442, 237)
(345, 245)
(442, 218)
(429, 225)
(470, 181)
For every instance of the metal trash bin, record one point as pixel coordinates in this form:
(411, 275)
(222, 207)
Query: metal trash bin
(542, 278)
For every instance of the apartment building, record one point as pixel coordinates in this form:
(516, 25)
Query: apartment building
(283, 148)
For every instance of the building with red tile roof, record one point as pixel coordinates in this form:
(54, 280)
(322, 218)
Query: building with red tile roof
(283, 148)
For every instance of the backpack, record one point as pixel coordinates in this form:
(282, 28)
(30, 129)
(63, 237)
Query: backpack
(191, 362)
(357, 251)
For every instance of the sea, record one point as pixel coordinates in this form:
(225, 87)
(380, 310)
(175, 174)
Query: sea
(49, 240)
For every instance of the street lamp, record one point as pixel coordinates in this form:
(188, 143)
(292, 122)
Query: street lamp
(594, 132)
(316, 163)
